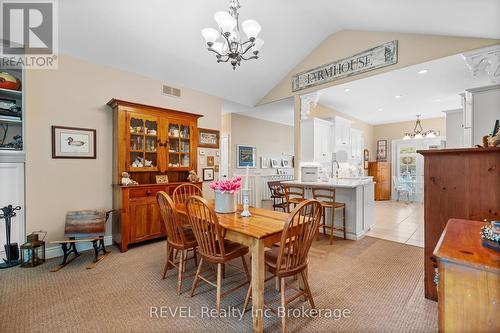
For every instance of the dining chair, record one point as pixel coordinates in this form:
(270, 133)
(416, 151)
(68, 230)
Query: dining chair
(326, 197)
(213, 247)
(184, 191)
(277, 195)
(294, 195)
(178, 238)
(291, 257)
(401, 188)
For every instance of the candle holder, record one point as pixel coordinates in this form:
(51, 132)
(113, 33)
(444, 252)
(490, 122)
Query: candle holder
(246, 202)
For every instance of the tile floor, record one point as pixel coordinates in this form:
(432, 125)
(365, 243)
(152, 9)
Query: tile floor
(400, 222)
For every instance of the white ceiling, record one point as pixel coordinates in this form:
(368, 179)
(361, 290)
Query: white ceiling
(161, 38)
(374, 101)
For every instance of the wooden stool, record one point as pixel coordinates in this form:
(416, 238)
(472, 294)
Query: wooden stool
(326, 196)
(294, 195)
(278, 195)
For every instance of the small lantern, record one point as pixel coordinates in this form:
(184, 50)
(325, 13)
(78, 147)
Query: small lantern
(33, 251)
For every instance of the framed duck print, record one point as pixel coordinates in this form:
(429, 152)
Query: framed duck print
(73, 142)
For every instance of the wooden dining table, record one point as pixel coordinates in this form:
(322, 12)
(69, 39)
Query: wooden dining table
(258, 231)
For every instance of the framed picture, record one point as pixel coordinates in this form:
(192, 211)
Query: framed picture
(161, 179)
(264, 163)
(208, 138)
(210, 161)
(73, 142)
(285, 163)
(382, 150)
(366, 158)
(246, 156)
(208, 174)
(274, 163)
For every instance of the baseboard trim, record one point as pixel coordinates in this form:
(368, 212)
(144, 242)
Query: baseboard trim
(56, 251)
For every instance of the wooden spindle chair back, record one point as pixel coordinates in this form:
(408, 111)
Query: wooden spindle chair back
(184, 191)
(292, 192)
(297, 237)
(324, 194)
(276, 188)
(175, 232)
(206, 229)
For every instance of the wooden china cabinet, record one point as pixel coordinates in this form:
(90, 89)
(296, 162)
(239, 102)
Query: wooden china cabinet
(148, 142)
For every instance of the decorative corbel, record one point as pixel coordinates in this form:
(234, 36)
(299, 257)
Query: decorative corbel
(484, 61)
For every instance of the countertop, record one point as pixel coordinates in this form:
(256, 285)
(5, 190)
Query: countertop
(335, 183)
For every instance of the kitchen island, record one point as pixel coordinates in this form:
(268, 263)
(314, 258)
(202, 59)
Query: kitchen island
(358, 196)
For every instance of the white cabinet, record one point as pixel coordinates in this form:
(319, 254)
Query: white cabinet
(342, 133)
(12, 193)
(316, 140)
(357, 145)
(481, 109)
(454, 128)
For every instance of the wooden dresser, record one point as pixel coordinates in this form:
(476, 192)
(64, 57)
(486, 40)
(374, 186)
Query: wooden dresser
(381, 172)
(148, 142)
(458, 183)
(469, 280)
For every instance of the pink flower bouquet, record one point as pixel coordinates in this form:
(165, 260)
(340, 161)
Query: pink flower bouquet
(224, 185)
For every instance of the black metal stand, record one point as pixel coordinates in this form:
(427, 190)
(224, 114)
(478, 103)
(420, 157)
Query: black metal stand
(11, 249)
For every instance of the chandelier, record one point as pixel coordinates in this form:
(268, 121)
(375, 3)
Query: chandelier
(418, 132)
(227, 43)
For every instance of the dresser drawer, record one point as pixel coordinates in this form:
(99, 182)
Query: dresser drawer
(146, 192)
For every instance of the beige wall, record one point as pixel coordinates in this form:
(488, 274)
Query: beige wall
(394, 131)
(271, 139)
(322, 111)
(76, 95)
(413, 49)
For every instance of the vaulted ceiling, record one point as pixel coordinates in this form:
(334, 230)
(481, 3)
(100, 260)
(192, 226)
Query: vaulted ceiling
(161, 38)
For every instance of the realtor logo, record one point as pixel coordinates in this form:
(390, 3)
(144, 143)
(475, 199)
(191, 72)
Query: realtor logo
(29, 33)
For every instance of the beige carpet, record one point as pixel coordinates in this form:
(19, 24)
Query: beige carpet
(380, 282)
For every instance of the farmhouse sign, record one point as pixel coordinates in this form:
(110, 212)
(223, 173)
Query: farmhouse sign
(377, 57)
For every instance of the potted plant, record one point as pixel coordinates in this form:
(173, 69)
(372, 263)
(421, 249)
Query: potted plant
(225, 194)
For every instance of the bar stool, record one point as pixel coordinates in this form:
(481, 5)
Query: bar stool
(277, 194)
(326, 196)
(294, 195)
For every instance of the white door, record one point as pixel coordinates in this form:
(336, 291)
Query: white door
(12, 193)
(224, 156)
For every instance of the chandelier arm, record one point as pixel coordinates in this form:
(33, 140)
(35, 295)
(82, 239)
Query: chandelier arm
(248, 48)
(220, 60)
(252, 57)
(214, 51)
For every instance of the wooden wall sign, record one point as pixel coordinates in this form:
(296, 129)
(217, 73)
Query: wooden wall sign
(208, 138)
(377, 57)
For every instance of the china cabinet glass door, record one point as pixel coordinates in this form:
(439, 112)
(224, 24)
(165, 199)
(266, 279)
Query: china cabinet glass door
(143, 147)
(179, 146)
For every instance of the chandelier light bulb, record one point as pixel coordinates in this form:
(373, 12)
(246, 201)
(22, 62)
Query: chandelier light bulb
(258, 45)
(210, 35)
(218, 47)
(251, 28)
(221, 16)
(407, 136)
(418, 136)
(225, 21)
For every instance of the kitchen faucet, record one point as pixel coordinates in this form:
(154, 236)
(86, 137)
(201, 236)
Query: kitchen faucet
(334, 160)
